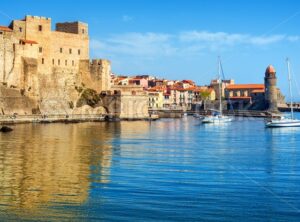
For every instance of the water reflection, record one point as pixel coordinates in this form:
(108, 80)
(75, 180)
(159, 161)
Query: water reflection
(170, 170)
(42, 165)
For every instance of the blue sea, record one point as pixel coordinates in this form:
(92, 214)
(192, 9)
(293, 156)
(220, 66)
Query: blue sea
(166, 170)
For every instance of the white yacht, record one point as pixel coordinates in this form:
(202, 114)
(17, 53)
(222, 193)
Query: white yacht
(282, 121)
(218, 117)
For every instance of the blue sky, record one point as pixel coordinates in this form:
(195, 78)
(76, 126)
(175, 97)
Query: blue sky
(181, 39)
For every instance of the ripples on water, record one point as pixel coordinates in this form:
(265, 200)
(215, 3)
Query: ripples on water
(169, 170)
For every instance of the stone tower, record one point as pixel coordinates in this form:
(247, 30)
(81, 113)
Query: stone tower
(271, 89)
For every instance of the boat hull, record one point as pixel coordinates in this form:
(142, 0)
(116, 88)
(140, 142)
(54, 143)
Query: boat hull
(290, 123)
(216, 120)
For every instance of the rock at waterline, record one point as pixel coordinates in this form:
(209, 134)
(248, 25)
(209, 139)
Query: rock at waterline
(5, 129)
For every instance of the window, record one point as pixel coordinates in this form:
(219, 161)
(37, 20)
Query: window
(1, 33)
(20, 29)
(66, 62)
(40, 28)
(52, 61)
(58, 62)
(70, 51)
(82, 31)
(78, 51)
(40, 49)
(72, 62)
(43, 60)
(60, 50)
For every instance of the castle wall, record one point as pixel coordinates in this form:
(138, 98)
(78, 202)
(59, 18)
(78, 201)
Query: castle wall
(56, 48)
(12, 101)
(72, 27)
(96, 74)
(6, 55)
(50, 67)
(19, 29)
(132, 102)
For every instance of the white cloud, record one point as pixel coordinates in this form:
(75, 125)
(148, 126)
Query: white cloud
(151, 45)
(136, 44)
(223, 38)
(293, 38)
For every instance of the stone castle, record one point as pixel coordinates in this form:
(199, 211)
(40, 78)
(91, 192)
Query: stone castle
(44, 71)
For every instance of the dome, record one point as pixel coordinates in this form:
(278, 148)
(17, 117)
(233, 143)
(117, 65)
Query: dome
(270, 70)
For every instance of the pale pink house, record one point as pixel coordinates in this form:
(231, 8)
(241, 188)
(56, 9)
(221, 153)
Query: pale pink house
(139, 82)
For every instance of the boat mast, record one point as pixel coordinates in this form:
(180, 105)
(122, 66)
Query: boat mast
(220, 85)
(290, 87)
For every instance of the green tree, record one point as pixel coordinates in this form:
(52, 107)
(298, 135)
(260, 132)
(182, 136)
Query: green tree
(204, 95)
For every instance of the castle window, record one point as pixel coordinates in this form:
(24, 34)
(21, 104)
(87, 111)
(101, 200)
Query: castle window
(70, 51)
(58, 62)
(78, 51)
(40, 49)
(72, 62)
(82, 31)
(43, 60)
(66, 62)
(52, 61)
(40, 28)
(60, 50)
(20, 29)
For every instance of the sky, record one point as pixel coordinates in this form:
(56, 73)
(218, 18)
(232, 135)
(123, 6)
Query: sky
(182, 39)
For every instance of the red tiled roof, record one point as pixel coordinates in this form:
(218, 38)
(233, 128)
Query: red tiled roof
(188, 81)
(5, 29)
(246, 86)
(134, 80)
(192, 88)
(157, 88)
(28, 41)
(258, 91)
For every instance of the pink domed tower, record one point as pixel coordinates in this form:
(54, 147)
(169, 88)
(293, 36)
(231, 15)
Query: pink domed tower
(271, 89)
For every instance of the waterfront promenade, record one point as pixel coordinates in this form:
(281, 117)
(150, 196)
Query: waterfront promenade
(15, 119)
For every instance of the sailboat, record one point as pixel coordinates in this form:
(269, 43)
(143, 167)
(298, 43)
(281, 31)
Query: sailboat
(217, 117)
(282, 121)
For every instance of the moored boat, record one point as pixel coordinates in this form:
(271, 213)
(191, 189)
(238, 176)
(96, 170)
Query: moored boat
(283, 122)
(216, 119)
(218, 116)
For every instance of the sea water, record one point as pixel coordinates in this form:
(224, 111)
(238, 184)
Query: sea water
(165, 170)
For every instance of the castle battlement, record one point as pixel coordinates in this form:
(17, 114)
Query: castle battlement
(36, 17)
